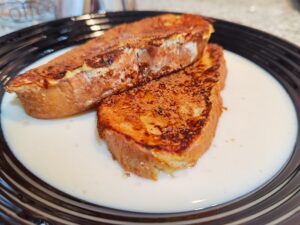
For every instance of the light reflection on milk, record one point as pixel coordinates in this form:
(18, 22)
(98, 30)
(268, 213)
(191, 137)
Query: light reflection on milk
(255, 138)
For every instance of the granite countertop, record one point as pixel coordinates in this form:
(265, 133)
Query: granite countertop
(278, 17)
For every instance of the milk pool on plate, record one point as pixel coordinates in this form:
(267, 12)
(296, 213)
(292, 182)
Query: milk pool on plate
(255, 138)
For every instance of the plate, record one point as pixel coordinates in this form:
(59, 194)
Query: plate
(27, 198)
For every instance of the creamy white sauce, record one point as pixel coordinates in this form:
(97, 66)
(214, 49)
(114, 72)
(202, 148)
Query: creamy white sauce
(255, 138)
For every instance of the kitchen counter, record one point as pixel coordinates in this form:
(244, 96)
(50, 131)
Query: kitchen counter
(278, 17)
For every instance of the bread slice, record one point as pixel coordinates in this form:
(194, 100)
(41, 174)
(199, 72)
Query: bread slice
(167, 124)
(125, 56)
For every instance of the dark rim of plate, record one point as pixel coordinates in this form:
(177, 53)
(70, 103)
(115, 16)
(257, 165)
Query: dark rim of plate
(25, 199)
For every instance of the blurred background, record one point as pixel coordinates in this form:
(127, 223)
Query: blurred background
(278, 17)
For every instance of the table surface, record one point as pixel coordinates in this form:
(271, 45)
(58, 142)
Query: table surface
(278, 17)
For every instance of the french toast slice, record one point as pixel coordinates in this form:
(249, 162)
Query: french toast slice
(123, 57)
(166, 124)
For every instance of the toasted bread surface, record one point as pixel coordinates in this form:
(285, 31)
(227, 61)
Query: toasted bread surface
(125, 56)
(168, 123)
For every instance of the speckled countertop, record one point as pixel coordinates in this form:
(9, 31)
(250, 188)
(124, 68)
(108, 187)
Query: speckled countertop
(278, 17)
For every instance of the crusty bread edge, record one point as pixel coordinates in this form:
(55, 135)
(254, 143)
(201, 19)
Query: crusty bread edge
(147, 163)
(76, 94)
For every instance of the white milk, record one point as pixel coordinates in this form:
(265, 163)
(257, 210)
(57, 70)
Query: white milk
(255, 138)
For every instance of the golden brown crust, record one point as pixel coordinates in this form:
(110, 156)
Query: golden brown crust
(171, 120)
(149, 31)
(122, 57)
(132, 156)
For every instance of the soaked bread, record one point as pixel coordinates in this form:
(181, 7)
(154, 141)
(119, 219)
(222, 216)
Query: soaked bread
(123, 57)
(166, 124)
